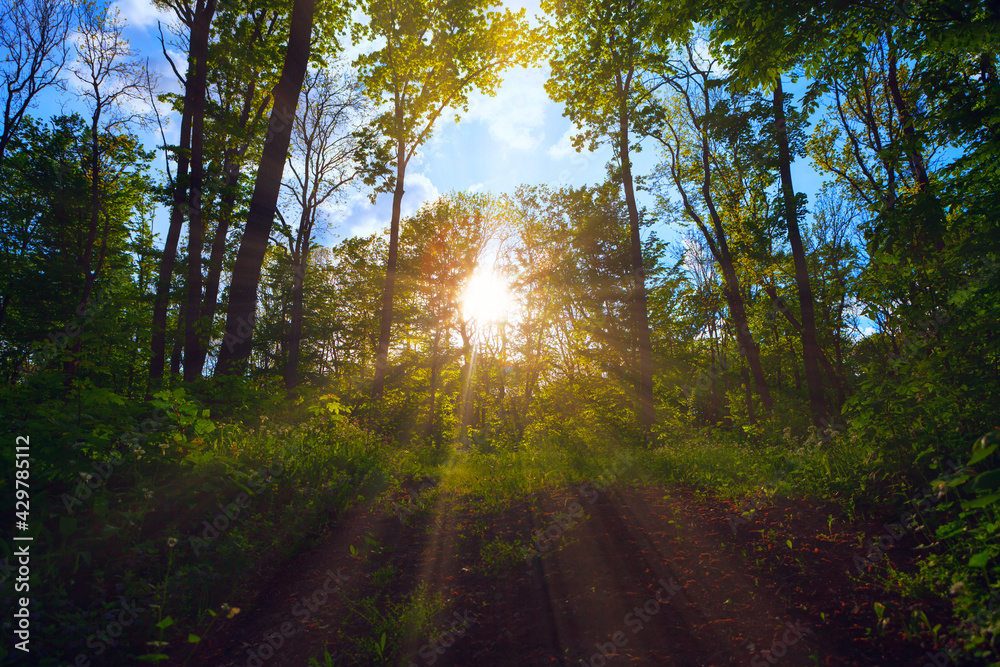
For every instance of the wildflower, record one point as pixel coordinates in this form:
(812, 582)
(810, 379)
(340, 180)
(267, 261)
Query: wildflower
(230, 611)
(147, 493)
(171, 542)
(957, 587)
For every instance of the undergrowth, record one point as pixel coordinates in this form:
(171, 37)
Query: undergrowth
(168, 533)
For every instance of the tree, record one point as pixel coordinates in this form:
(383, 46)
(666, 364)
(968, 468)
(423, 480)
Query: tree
(244, 62)
(197, 19)
(46, 231)
(43, 206)
(604, 69)
(112, 80)
(236, 344)
(33, 36)
(113, 83)
(697, 120)
(811, 352)
(329, 152)
(542, 244)
(443, 246)
(434, 55)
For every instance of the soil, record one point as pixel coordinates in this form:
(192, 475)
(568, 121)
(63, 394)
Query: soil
(634, 574)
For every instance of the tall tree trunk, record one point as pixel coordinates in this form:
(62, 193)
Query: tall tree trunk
(748, 394)
(236, 342)
(87, 259)
(429, 429)
(388, 290)
(196, 223)
(931, 222)
(216, 259)
(810, 346)
(295, 328)
(716, 398)
(734, 295)
(640, 312)
(232, 165)
(465, 381)
(161, 302)
(718, 245)
(777, 347)
(178, 347)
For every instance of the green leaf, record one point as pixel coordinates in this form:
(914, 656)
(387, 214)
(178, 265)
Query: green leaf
(980, 559)
(950, 530)
(789, 543)
(153, 657)
(982, 501)
(165, 623)
(193, 639)
(980, 454)
(953, 482)
(203, 426)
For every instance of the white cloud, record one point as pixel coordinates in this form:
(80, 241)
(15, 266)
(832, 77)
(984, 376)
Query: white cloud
(141, 13)
(475, 187)
(363, 219)
(516, 114)
(563, 148)
(577, 167)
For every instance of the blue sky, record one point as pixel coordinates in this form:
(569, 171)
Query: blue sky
(516, 136)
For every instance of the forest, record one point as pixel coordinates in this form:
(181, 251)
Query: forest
(732, 402)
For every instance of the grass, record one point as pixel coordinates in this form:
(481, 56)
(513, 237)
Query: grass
(822, 466)
(500, 555)
(377, 626)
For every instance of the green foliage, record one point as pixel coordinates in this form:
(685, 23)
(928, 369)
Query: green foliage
(966, 524)
(387, 623)
(142, 533)
(45, 213)
(432, 57)
(500, 555)
(900, 248)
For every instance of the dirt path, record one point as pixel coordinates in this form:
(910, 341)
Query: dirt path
(631, 575)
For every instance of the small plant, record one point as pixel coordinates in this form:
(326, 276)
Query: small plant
(381, 577)
(880, 615)
(325, 660)
(499, 555)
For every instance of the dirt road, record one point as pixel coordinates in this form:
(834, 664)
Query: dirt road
(629, 575)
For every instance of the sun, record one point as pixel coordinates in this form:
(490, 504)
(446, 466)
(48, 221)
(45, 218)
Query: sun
(485, 298)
